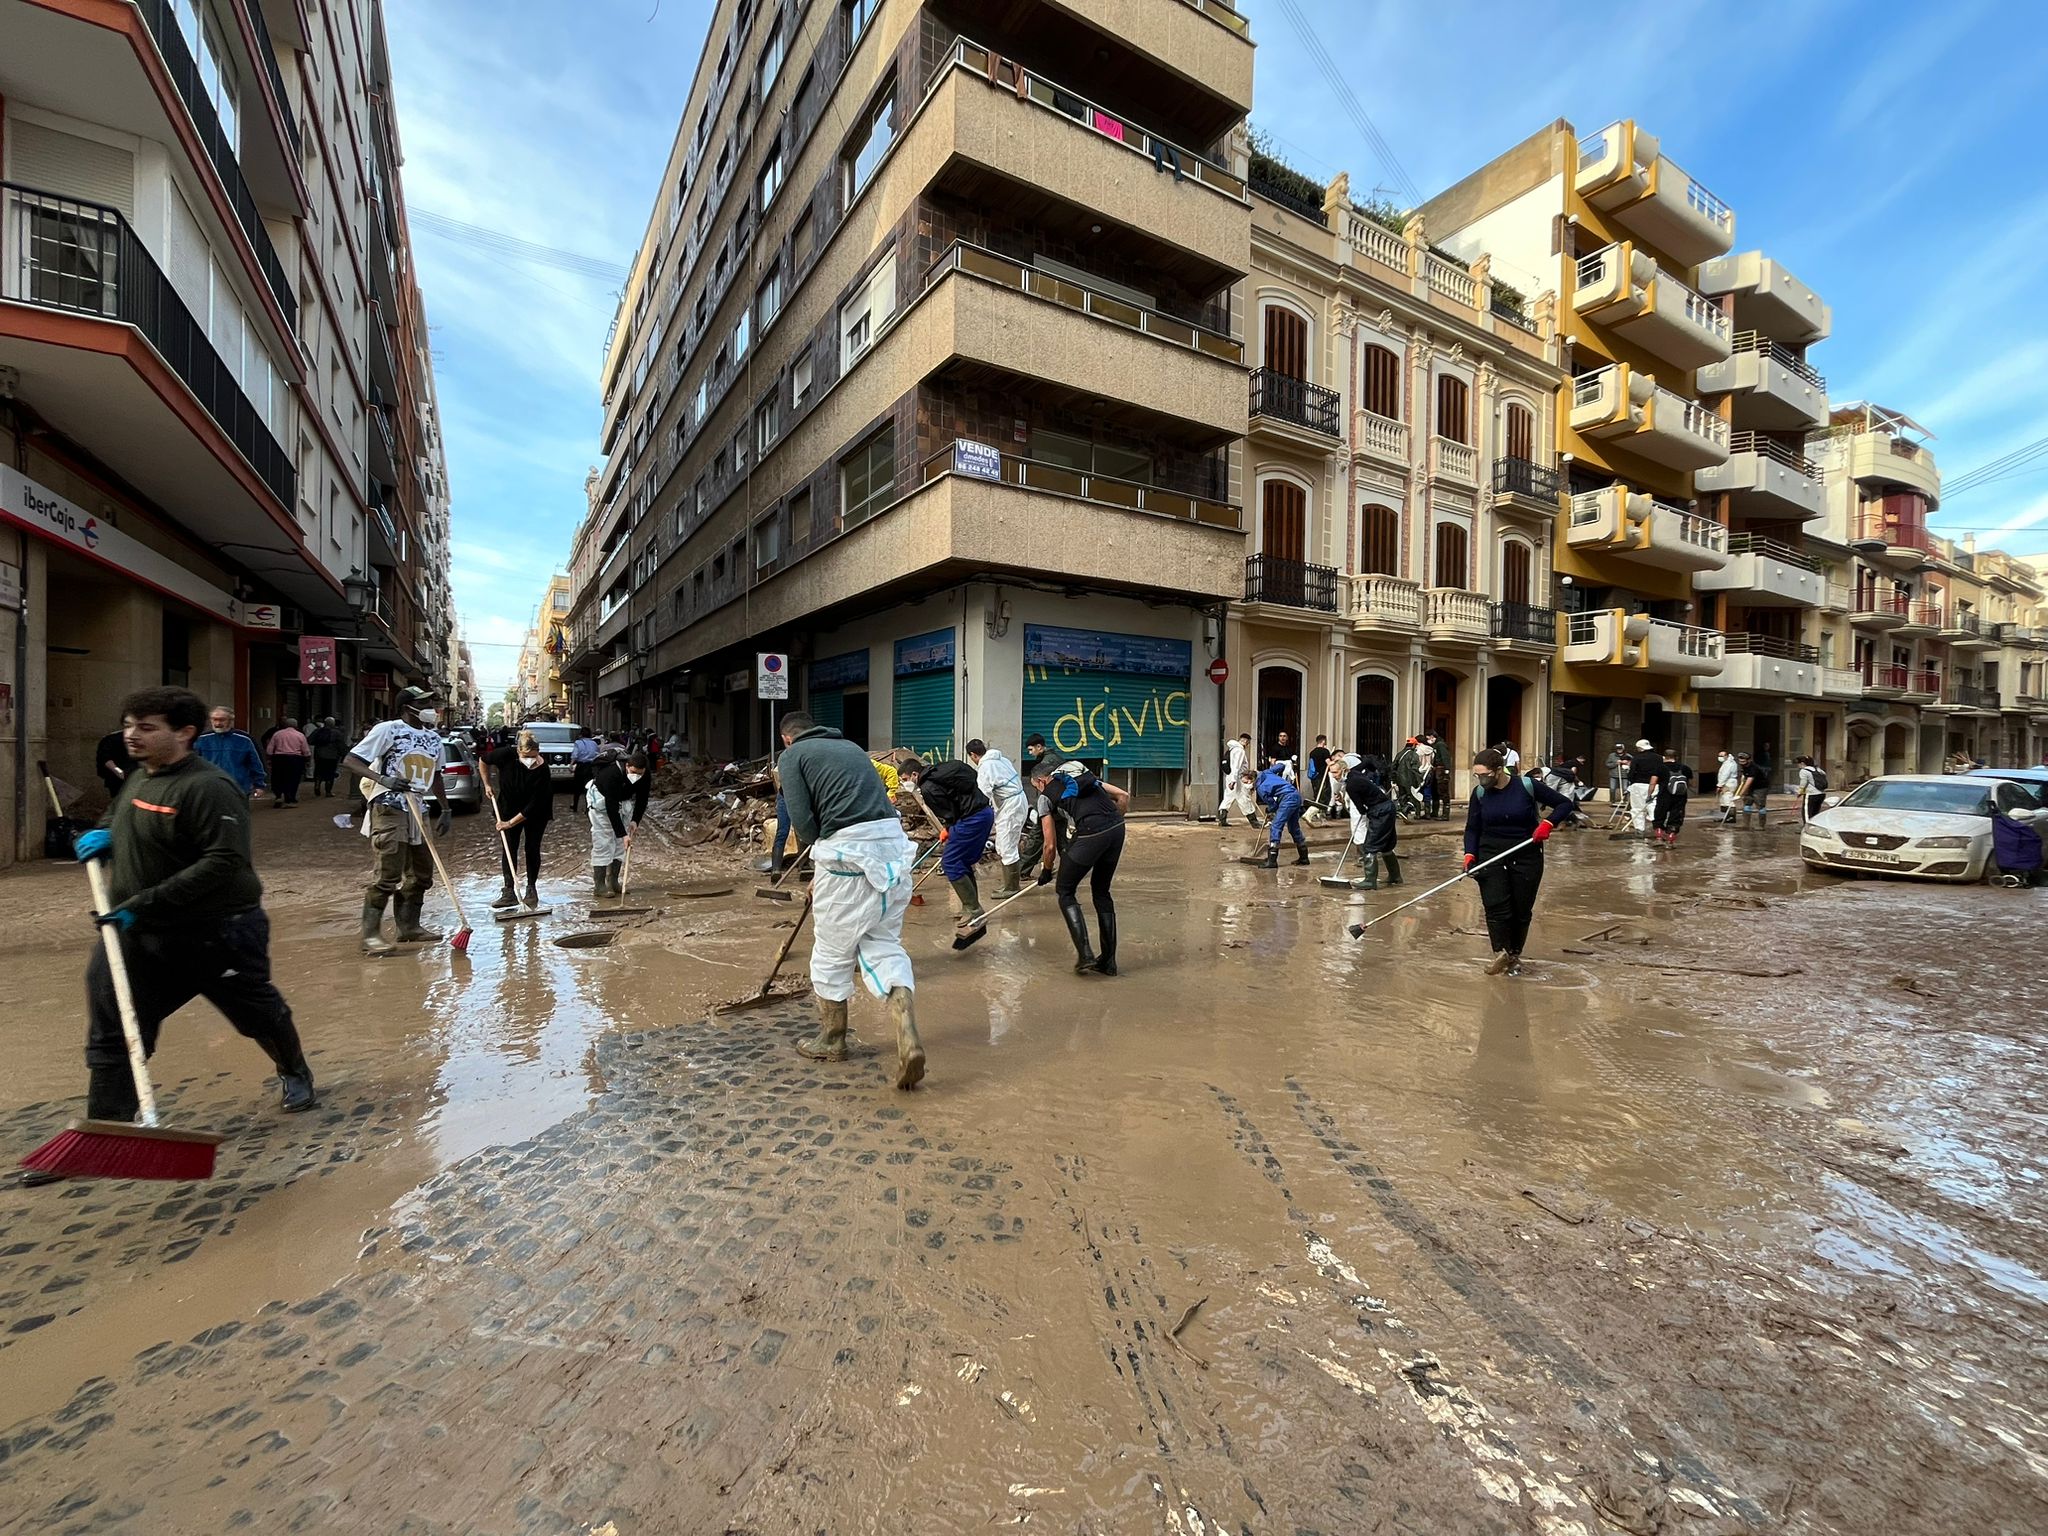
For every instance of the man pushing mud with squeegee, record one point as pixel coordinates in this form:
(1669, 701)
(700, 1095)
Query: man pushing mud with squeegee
(399, 759)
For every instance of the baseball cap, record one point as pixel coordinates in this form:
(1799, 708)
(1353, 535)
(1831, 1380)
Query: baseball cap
(414, 697)
(1643, 745)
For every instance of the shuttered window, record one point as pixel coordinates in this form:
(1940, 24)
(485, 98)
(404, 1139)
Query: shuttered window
(1379, 541)
(1283, 521)
(1516, 571)
(1521, 432)
(1451, 555)
(1286, 343)
(1451, 418)
(1382, 383)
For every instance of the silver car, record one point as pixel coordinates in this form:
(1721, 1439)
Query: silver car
(459, 776)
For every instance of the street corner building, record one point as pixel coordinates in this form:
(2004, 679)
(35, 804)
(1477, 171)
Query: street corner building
(220, 453)
(931, 375)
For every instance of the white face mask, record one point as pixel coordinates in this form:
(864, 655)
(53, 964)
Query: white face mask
(531, 762)
(634, 778)
(427, 717)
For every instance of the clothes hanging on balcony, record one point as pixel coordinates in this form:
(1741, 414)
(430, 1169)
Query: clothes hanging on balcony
(1105, 124)
(1164, 154)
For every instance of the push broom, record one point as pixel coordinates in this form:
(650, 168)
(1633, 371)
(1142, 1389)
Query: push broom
(460, 943)
(1357, 930)
(114, 1149)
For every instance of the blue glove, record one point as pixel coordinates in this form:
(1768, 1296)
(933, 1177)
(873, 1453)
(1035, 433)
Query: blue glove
(120, 917)
(93, 844)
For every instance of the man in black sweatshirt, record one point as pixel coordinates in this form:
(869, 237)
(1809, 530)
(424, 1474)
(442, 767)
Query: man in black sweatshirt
(187, 904)
(613, 786)
(951, 791)
(1506, 811)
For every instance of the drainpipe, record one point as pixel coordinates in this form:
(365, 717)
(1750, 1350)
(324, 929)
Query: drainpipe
(21, 795)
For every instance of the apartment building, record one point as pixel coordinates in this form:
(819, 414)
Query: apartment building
(543, 683)
(1625, 231)
(1932, 648)
(216, 409)
(1404, 494)
(928, 375)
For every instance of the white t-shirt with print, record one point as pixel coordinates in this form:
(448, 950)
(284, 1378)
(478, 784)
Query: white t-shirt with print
(398, 750)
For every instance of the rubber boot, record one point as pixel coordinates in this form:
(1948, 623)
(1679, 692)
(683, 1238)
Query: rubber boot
(829, 1043)
(110, 1095)
(909, 1049)
(970, 902)
(617, 866)
(1008, 885)
(1272, 856)
(374, 942)
(1105, 958)
(294, 1075)
(1760, 816)
(1393, 868)
(598, 883)
(1301, 853)
(1077, 930)
(407, 910)
(1223, 818)
(506, 897)
(532, 897)
(1370, 880)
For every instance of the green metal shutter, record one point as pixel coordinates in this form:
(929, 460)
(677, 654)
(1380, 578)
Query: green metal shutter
(1127, 719)
(829, 708)
(924, 715)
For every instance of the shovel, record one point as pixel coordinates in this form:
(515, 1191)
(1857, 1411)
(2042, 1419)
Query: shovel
(1357, 930)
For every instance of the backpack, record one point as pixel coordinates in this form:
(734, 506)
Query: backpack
(1820, 780)
(1528, 782)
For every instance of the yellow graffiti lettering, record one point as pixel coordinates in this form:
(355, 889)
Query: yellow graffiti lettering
(1059, 736)
(1094, 730)
(1166, 709)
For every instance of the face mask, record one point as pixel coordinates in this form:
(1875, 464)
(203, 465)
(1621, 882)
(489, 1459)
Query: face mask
(531, 762)
(634, 778)
(427, 717)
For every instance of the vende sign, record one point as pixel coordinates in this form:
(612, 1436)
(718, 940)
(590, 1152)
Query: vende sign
(46, 514)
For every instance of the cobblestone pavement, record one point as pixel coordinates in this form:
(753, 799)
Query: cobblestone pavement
(1273, 1234)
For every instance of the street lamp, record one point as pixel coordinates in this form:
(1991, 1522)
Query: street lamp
(360, 592)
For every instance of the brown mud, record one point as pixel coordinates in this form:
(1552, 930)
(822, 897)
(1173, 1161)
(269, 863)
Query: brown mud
(1725, 1216)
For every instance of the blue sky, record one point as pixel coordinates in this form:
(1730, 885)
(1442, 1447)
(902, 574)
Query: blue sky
(1885, 152)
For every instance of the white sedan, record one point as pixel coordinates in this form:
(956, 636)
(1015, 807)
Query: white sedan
(1930, 825)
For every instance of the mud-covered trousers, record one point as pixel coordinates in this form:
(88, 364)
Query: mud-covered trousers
(227, 963)
(1508, 892)
(1095, 855)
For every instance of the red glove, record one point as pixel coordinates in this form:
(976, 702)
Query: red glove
(942, 834)
(1468, 860)
(1543, 830)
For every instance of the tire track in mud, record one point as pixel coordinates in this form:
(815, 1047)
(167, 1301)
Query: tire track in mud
(1559, 1493)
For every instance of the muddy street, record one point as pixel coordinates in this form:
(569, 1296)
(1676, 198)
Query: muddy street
(1725, 1216)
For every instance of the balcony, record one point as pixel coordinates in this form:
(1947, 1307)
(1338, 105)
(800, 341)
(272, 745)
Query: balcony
(1970, 699)
(93, 372)
(1839, 597)
(1519, 625)
(1922, 687)
(1295, 405)
(1768, 299)
(1633, 526)
(1380, 438)
(1381, 603)
(1888, 682)
(1773, 387)
(383, 360)
(1923, 618)
(1621, 172)
(1763, 573)
(1879, 610)
(1965, 631)
(383, 450)
(1454, 616)
(1766, 664)
(1290, 583)
(1520, 485)
(1875, 457)
(1841, 683)
(1622, 289)
(1892, 538)
(1628, 409)
(962, 458)
(1204, 41)
(1765, 479)
(1453, 463)
(1636, 642)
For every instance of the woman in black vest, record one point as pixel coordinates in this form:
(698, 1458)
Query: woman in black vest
(1507, 809)
(526, 803)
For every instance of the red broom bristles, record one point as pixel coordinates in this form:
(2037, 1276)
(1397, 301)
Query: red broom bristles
(100, 1149)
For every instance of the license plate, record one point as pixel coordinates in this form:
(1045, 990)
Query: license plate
(1871, 858)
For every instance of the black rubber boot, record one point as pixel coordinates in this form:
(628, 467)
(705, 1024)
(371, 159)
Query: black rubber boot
(1077, 930)
(110, 1095)
(970, 902)
(1105, 959)
(1370, 880)
(597, 880)
(294, 1076)
(1223, 818)
(1301, 853)
(618, 866)
(1393, 868)
(407, 910)
(374, 942)
(1272, 856)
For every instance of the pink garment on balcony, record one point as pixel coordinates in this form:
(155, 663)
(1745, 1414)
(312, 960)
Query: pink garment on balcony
(1104, 123)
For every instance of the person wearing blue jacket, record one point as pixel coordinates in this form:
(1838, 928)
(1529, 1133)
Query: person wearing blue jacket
(231, 751)
(1284, 806)
(1508, 809)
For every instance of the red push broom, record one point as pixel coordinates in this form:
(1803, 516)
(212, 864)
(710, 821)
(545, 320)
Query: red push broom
(111, 1149)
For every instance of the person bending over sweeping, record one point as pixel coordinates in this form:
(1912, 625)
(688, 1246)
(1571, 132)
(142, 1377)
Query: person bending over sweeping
(525, 795)
(612, 785)
(1374, 824)
(399, 758)
(952, 793)
(188, 905)
(1283, 807)
(1507, 809)
(1092, 816)
(860, 890)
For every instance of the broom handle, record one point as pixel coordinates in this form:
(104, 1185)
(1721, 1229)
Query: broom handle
(504, 841)
(412, 804)
(1462, 874)
(787, 945)
(117, 964)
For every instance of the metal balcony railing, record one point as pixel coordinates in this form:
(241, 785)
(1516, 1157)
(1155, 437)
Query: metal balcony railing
(1523, 477)
(1965, 622)
(65, 254)
(1777, 453)
(267, 56)
(1514, 314)
(1970, 696)
(1926, 613)
(1290, 583)
(1889, 604)
(1783, 356)
(184, 73)
(1926, 682)
(1874, 527)
(1083, 485)
(1288, 198)
(1295, 400)
(1771, 549)
(1891, 678)
(1525, 621)
(1743, 644)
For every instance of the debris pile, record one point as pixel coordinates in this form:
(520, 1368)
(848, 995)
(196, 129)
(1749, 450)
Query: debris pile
(713, 806)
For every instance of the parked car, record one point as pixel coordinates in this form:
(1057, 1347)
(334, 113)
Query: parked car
(557, 740)
(459, 776)
(2035, 779)
(1929, 825)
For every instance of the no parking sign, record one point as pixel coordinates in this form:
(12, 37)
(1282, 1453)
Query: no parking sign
(771, 675)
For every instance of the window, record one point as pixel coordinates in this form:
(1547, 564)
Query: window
(768, 298)
(1516, 567)
(801, 523)
(767, 542)
(739, 451)
(870, 141)
(863, 315)
(1286, 343)
(858, 14)
(867, 477)
(1451, 546)
(1451, 396)
(1382, 382)
(800, 383)
(1379, 541)
(1521, 431)
(771, 61)
(767, 423)
(1089, 458)
(802, 242)
(771, 173)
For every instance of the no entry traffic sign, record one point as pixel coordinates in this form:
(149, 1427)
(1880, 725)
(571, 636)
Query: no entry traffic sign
(1219, 671)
